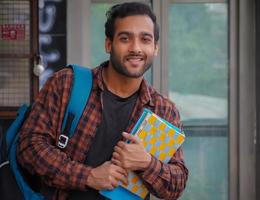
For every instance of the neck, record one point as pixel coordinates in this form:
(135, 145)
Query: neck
(119, 84)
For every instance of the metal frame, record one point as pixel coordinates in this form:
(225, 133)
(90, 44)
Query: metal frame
(233, 97)
(257, 75)
(34, 47)
(246, 97)
(160, 66)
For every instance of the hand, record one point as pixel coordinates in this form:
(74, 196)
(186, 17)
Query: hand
(131, 156)
(106, 176)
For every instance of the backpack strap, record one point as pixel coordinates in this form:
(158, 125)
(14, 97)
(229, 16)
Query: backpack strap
(81, 88)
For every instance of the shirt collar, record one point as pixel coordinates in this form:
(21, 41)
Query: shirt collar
(145, 90)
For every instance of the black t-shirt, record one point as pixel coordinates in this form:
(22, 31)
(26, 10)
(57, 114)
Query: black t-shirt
(115, 118)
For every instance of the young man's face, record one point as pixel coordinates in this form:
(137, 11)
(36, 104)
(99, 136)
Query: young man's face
(133, 47)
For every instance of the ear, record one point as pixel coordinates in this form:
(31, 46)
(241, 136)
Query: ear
(156, 49)
(108, 45)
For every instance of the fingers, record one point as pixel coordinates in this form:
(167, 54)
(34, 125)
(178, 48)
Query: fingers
(120, 144)
(121, 170)
(122, 178)
(116, 175)
(113, 182)
(118, 157)
(118, 153)
(131, 138)
(115, 159)
(107, 176)
(119, 174)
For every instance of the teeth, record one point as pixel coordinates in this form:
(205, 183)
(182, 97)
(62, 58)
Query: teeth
(135, 59)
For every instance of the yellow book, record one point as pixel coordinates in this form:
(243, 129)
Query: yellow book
(161, 139)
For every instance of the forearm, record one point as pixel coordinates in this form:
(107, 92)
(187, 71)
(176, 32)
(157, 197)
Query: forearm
(37, 150)
(166, 181)
(38, 155)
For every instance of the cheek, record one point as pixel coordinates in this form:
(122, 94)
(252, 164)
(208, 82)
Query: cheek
(120, 50)
(151, 50)
(151, 53)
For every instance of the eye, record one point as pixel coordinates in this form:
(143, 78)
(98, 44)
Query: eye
(147, 39)
(123, 39)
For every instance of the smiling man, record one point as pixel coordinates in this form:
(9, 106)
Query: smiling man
(96, 157)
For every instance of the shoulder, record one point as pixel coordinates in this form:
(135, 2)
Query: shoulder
(162, 103)
(165, 107)
(63, 79)
(58, 83)
(59, 76)
(63, 74)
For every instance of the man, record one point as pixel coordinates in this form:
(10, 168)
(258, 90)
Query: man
(96, 157)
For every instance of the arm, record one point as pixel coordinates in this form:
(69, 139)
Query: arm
(37, 151)
(166, 181)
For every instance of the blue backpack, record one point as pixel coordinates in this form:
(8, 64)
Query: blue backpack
(13, 185)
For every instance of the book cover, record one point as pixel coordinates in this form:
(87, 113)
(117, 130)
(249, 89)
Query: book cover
(161, 139)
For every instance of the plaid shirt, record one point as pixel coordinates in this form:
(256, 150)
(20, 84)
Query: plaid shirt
(63, 169)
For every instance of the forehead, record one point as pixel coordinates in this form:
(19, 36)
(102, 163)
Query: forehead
(134, 24)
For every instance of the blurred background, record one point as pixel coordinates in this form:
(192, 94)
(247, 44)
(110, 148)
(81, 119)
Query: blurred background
(207, 65)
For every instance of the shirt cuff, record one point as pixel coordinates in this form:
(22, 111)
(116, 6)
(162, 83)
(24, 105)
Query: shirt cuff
(81, 180)
(152, 172)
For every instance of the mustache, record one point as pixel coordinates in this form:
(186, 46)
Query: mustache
(135, 55)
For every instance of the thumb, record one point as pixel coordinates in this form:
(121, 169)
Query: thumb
(131, 138)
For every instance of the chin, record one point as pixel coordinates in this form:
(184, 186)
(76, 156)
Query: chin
(136, 74)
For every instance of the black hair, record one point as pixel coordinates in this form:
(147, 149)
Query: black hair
(125, 10)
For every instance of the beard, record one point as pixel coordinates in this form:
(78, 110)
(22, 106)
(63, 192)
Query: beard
(120, 68)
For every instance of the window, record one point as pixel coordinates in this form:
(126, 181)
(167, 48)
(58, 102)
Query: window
(17, 49)
(198, 84)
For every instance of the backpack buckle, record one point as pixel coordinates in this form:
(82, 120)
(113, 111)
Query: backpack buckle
(63, 141)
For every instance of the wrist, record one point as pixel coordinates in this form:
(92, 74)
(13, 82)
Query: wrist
(89, 180)
(147, 162)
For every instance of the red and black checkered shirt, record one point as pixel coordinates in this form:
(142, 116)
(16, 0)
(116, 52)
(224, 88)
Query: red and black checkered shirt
(64, 169)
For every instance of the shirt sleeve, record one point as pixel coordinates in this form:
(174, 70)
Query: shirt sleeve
(37, 151)
(167, 180)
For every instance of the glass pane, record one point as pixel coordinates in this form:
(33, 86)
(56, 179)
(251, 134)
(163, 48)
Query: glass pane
(98, 19)
(198, 84)
(198, 71)
(206, 158)
(15, 82)
(15, 39)
(15, 27)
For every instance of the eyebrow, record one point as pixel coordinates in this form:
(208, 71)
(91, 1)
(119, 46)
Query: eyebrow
(130, 33)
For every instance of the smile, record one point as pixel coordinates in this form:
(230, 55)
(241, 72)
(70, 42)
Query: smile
(134, 59)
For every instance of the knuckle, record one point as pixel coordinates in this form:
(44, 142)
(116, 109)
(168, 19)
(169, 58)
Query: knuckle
(124, 164)
(110, 179)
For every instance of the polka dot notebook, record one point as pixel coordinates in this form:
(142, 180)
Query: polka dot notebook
(161, 139)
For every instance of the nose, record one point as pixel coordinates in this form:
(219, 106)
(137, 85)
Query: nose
(135, 46)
